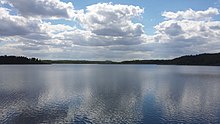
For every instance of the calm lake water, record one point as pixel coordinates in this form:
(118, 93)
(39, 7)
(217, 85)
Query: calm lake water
(100, 94)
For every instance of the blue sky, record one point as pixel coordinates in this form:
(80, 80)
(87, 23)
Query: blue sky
(109, 29)
(154, 8)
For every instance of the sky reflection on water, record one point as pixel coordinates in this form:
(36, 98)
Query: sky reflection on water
(109, 94)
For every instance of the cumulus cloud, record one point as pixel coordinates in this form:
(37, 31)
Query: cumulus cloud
(43, 8)
(187, 28)
(105, 31)
(107, 19)
(188, 32)
(11, 25)
(192, 15)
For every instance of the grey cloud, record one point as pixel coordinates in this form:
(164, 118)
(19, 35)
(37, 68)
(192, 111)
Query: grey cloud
(38, 36)
(116, 30)
(9, 28)
(106, 41)
(11, 25)
(29, 47)
(108, 32)
(173, 30)
(43, 8)
(215, 26)
(133, 48)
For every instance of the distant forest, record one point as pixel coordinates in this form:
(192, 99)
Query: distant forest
(19, 60)
(201, 59)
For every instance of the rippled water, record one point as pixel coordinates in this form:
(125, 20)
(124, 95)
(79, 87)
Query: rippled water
(109, 94)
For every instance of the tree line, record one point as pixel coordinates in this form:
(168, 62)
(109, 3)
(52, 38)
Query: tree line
(201, 59)
(19, 60)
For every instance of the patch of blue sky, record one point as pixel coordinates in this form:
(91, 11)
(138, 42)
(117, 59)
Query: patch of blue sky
(154, 8)
(12, 10)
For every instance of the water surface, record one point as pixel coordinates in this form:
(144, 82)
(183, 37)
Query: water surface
(109, 94)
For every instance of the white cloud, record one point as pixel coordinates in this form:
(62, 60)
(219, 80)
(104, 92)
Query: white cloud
(109, 31)
(107, 19)
(192, 15)
(188, 32)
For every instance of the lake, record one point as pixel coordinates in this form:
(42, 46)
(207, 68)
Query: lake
(31, 94)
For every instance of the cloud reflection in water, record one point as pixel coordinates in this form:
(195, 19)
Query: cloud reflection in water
(109, 94)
